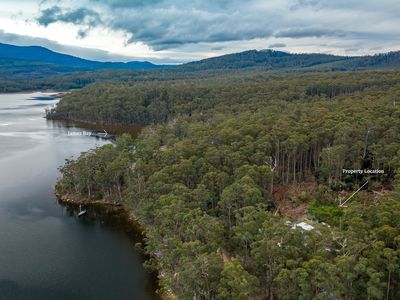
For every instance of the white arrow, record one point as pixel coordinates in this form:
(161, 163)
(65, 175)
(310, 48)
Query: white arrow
(343, 204)
(105, 133)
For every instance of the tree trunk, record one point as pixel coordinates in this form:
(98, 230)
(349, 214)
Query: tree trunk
(388, 287)
(294, 168)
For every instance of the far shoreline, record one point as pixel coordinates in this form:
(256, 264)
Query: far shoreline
(35, 91)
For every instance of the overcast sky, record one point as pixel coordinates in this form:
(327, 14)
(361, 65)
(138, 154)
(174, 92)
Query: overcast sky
(170, 31)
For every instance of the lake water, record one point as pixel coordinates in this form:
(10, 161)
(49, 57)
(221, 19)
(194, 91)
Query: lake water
(45, 253)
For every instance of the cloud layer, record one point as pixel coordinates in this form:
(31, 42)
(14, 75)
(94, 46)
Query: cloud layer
(170, 24)
(185, 30)
(87, 53)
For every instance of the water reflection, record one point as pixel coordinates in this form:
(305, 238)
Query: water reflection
(44, 252)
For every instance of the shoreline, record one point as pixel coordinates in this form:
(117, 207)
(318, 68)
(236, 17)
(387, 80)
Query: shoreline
(104, 208)
(36, 91)
(116, 129)
(82, 121)
(118, 216)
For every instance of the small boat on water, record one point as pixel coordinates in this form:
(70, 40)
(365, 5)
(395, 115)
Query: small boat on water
(81, 212)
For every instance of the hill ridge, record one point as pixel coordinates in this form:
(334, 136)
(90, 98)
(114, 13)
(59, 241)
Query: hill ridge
(45, 55)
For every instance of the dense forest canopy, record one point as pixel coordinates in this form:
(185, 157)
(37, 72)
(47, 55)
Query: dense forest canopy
(154, 101)
(239, 181)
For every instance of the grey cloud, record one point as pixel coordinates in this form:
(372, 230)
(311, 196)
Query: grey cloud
(175, 27)
(174, 24)
(277, 45)
(82, 33)
(48, 16)
(167, 24)
(79, 16)
(297, 33)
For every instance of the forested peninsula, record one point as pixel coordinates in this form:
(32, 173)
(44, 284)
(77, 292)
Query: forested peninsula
(240, 185)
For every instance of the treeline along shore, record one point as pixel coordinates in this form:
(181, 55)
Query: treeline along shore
(238, 181)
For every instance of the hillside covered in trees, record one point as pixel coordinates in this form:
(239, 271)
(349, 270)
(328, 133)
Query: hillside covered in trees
(239, 181)
(37, 68)
(278, 60)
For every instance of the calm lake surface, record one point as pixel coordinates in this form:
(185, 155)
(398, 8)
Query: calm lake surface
(45, 253)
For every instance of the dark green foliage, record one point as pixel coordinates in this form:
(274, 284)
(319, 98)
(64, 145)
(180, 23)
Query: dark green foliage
(277, 60)
(202, 181)
(327, 213)
(264, 59)
(269, 120)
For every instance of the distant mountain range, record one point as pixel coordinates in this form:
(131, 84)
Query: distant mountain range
(34, 55)
(35, 61)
